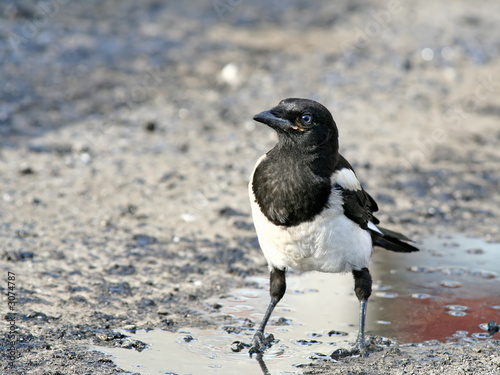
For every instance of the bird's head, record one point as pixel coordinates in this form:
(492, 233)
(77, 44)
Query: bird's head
(303, 122)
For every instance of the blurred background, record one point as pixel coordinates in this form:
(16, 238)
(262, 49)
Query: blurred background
(412, 86)
(72, 61)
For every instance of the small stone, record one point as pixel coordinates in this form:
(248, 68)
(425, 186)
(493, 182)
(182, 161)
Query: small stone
(102, 337)
(130, 327)
(493, 327)
(336, 333)
(230, 74)
(188, 338)
(340, 353)
(216, 306)
(475, 251)
(168, 322)
(394, 351)
(150, 126)
(26, 170)
(85, 158)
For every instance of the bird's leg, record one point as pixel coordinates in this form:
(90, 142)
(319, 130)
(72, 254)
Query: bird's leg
(277, 290)
(363, 290)
(259, 343)
(361, 342)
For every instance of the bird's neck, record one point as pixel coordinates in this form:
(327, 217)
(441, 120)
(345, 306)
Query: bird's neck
(321, 160)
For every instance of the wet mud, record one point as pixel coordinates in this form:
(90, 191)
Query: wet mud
(440, 295)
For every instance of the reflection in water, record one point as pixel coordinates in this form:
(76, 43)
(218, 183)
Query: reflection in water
(448, 291)
(209, 352)
(262, 364)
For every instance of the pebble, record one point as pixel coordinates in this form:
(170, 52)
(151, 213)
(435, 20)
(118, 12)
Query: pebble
(150, 126)
(230, 74)
(25, 169)
(495, 360)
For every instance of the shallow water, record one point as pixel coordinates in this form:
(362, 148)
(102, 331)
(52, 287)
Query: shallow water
(448, 291)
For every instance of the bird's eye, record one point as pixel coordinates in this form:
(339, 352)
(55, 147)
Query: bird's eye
(306, 119)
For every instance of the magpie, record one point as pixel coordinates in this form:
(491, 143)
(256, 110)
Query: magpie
(309, 209)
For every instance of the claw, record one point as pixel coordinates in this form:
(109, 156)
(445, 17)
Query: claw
(361, 346)
(257, 345)
(238, 346)
(260, 343)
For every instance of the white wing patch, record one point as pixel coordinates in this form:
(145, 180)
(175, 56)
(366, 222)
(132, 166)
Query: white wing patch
(346, 179)
(374, 228)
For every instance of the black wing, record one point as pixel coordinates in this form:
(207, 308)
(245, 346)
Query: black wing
(358, 205)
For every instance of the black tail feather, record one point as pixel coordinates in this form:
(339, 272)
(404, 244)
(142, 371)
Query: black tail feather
(393, 241)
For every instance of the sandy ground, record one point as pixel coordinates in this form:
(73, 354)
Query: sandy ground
(127, 141)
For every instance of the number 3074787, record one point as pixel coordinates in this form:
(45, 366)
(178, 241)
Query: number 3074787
(11, 287)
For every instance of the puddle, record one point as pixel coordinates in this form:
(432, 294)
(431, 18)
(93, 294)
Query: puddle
(448, 291)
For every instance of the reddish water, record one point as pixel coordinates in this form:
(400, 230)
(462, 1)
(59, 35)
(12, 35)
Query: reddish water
(451, 285)
(433, 319)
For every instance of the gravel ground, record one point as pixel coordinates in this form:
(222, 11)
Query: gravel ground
(126, 142)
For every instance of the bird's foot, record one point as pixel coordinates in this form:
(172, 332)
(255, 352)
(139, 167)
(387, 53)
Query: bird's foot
(260, 343)
(361, 346)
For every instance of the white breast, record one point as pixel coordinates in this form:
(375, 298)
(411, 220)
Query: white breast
(329, 243)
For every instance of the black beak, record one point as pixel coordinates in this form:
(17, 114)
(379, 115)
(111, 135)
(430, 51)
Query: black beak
(274, 122)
